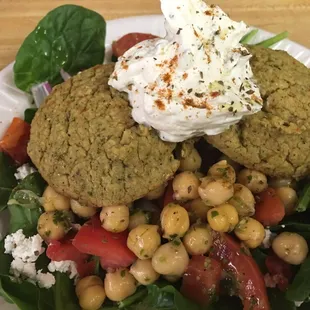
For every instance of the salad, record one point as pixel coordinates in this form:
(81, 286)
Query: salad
(212, 234)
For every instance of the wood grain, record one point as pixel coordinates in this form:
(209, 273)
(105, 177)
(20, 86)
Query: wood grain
(19, 17)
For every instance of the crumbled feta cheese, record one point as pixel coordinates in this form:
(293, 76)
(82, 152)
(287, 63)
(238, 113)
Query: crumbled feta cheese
(298, 303)
(20, 247)
(23, 171)
(269, 236)
(283, 226)
(45, 280)
(66, 266)
(20, 269)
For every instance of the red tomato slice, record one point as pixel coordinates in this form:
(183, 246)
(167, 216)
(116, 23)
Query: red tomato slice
(202, 279)
(279, 270)
(110, 247)
(15, 140)
(269, 209)
(129, 40)
(252, 290)
(58, 251)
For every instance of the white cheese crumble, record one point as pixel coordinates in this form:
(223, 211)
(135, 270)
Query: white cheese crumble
(66, 266)
(26, 249)
(269, 236)
(25, 252)
(23, 171)
(298, 303)
(45, 280)
(197, 80)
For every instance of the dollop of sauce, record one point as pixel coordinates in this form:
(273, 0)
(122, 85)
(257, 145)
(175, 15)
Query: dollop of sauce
(195, 81)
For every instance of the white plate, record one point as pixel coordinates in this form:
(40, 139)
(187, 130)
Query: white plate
(13, 102)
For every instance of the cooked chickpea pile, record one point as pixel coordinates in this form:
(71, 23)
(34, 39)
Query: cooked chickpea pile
(222, 201)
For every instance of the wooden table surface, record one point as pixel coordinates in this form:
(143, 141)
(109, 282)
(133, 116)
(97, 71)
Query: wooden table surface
(19, 17)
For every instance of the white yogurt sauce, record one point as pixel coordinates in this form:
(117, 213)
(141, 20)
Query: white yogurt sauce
(195, 81)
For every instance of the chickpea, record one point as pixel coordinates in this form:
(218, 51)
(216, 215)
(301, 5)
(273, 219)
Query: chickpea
(276, 183)
(230, 213)
(218, 220)
(290, 247)
(138, 218)
(230, 162)
(215, 191)
(289, 198)
(156, 193)
(92, 298)
(90, 293)
(191, 162)
(53, 225)
(197, 210)
(185, 186)
(115, 218)
(172, 279)
(144, 240)
(119, 284)
(144, 272)
(254, 180)
(174, 221)
(243, 200)
(171, 259)
(251, 232)
(198, 240)
(82, 211)
(223, 170)
(53, 201)
(89, 281)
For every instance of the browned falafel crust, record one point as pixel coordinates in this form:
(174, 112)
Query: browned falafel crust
(86, 145)
(276, 140)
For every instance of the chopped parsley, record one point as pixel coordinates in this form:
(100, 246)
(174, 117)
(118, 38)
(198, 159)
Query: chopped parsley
(214, 214)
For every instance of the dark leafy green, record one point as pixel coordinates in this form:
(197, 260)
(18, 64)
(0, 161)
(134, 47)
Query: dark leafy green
(69, 37)
(260, 257)
(304, 199)
(278, 300)
(25, 209)
(7, 180)
(29, 114)
(299, 290)
(167, 297)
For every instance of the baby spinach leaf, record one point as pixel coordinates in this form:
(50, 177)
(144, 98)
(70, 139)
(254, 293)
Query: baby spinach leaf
(64, 293)
(167, 297)
(7, 180)
(260, 257)
(304, 199)
(29, 114)
(278, 300)
(26, 217)
(69, 37)
(299, 290)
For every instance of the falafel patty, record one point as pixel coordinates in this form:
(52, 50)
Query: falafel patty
(276, 140)
(86, 145)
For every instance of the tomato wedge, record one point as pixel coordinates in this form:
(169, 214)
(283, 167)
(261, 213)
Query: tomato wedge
(201, 281)
(15, 140)
(251, 288)
(129, 40)
(64, 250)
(269, 209)
(110, 247)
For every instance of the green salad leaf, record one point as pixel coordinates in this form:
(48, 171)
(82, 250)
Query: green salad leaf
(278, 300)
(299, 290)
(24, 204)
(69, 37)
(304, 199)
(29, 114)
(7, 180)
